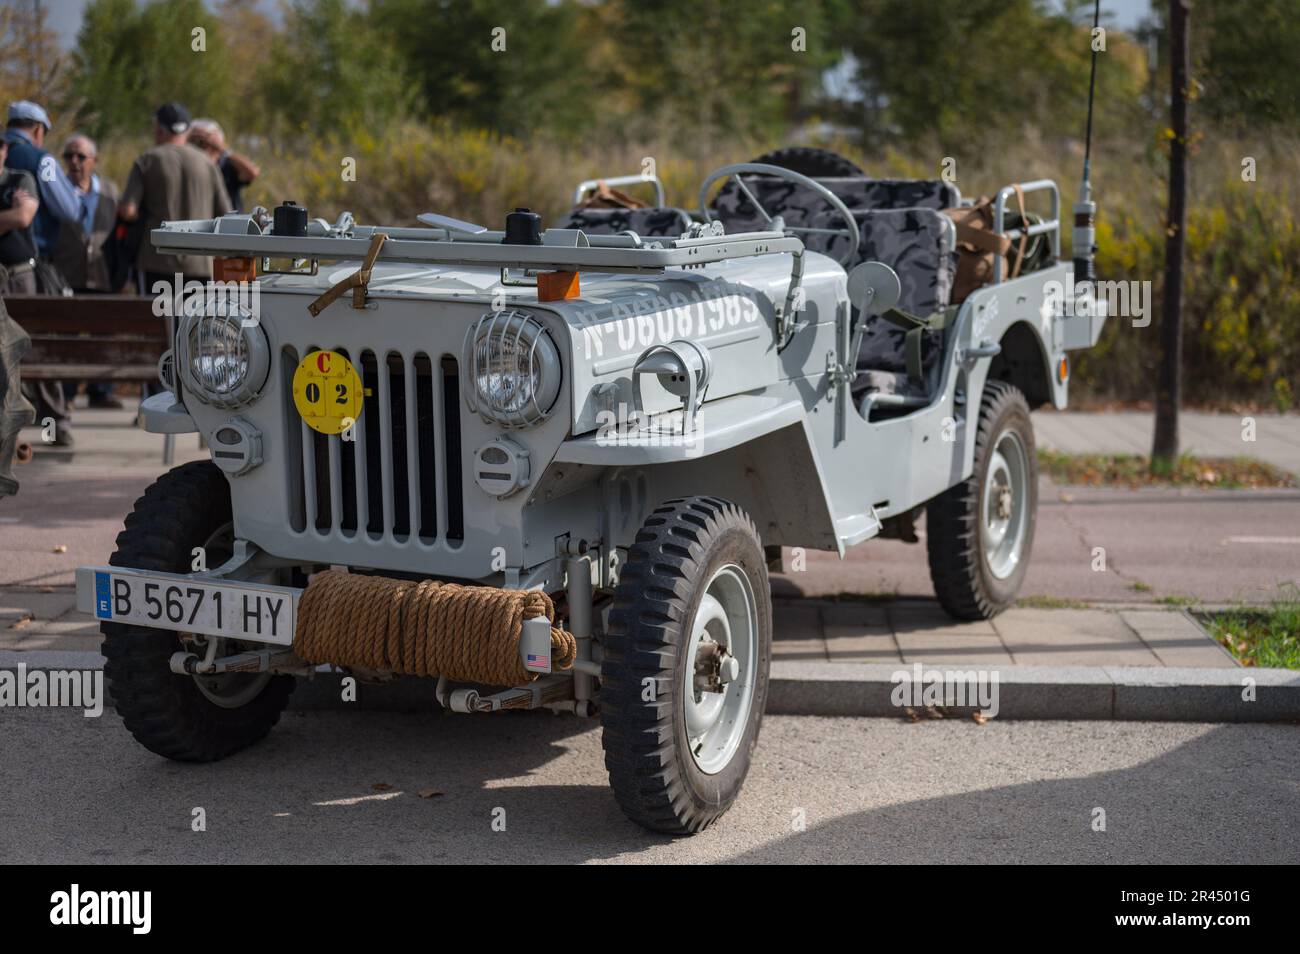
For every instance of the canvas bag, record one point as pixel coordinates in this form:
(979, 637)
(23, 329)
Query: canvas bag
(977, 244)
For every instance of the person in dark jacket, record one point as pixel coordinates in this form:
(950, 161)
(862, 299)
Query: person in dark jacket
(18, 205)
(27, 127)
(79, 252)
(237, 170)
(25, 134)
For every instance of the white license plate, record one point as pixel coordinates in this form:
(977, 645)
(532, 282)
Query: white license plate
(172, 601)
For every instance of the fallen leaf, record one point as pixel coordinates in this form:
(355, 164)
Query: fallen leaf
(21, 623)
(61, 548)
(429, 793)
(910, 715)
(979, 718)
(381, 786)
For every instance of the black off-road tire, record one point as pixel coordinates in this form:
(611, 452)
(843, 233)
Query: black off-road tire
(166, 712)
(653, 773)
(963, 581)
(813, 163)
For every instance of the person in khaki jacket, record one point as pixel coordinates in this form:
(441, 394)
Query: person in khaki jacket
(172, 181)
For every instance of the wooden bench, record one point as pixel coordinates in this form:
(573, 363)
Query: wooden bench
(92, 338)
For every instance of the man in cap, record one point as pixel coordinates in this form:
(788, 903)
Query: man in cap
(25, 138)
(172, 181)
(27, 127)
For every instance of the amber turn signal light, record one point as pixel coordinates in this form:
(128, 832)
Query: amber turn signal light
(557, 286)
(234, 269)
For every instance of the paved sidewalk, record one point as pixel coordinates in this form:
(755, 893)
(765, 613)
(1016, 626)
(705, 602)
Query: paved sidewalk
(918, 631)
(1277, 436)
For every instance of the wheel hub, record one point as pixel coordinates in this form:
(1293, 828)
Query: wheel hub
(714, 667)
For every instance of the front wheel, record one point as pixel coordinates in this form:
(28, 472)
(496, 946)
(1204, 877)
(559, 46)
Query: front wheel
(979, 533)
(199, 718)
(685, 670)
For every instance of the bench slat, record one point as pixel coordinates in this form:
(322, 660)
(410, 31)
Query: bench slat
(88, 372)
(86, 314)
(94, 351)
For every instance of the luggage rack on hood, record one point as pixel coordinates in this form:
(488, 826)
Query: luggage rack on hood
(450, 242)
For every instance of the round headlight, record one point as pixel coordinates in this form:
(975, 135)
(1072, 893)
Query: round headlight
(224, 358)
(514, 369)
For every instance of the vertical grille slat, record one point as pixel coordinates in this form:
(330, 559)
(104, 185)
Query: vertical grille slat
(335, 480)
(360, 468)
(452, 468)
(309, 484)
(437, 388)
(412, 422)
(428, 462)
(386, 444)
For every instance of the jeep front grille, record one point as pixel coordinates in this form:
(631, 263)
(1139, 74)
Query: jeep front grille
(400, 478)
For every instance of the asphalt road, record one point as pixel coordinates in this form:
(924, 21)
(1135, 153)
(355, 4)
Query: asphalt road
(80, 790)
(1210, 546)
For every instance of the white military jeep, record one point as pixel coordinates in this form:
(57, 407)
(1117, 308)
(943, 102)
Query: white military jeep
(602, 433)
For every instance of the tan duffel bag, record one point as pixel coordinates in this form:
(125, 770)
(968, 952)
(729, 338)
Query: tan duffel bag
(977, 243)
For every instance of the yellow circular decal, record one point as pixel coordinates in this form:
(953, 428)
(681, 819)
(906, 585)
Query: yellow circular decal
(327, 392)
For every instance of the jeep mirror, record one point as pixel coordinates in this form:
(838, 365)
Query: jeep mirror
(874, 287)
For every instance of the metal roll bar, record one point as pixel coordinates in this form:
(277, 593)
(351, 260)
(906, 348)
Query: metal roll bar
(1052, 225)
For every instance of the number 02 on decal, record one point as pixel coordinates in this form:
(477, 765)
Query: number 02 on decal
(327, 392)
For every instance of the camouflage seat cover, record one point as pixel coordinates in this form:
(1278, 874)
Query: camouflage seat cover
(919, 245)
(657, 222)
(798, 204)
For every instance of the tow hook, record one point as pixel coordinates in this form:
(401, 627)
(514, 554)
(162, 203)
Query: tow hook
(187, 663)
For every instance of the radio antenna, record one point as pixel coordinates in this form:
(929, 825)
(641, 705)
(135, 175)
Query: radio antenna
(1085, 210)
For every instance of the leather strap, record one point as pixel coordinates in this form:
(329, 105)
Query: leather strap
(357, 281)
(1024, 231)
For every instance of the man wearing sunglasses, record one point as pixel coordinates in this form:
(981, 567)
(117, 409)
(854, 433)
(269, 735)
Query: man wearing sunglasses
(79, 252)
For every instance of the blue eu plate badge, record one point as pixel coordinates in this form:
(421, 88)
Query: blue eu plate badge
(103, 597)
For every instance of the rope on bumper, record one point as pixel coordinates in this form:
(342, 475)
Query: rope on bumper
(466, 633)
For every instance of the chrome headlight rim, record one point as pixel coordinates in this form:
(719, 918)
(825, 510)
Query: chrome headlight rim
(206, 329)
(505, 335)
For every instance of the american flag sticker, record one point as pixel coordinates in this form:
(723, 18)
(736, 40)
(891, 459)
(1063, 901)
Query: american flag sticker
(534, 661)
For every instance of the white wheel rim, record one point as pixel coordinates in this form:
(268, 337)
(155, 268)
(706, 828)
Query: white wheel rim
(726, 619)
(1004, 505)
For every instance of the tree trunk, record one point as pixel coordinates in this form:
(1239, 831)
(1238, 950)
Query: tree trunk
(1164, 450)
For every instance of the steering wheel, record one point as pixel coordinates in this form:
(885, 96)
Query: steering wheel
(734, 171)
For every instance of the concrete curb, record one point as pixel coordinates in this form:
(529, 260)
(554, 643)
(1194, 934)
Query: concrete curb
(1131, 693)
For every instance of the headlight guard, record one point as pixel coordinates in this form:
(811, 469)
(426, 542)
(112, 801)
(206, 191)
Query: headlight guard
(514, 369)
(222, 357)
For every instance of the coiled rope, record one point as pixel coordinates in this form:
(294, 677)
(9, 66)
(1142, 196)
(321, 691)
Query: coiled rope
(466, 633)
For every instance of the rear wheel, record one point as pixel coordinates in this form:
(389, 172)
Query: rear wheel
(198, 718)
(684, 676)
(979, 534)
